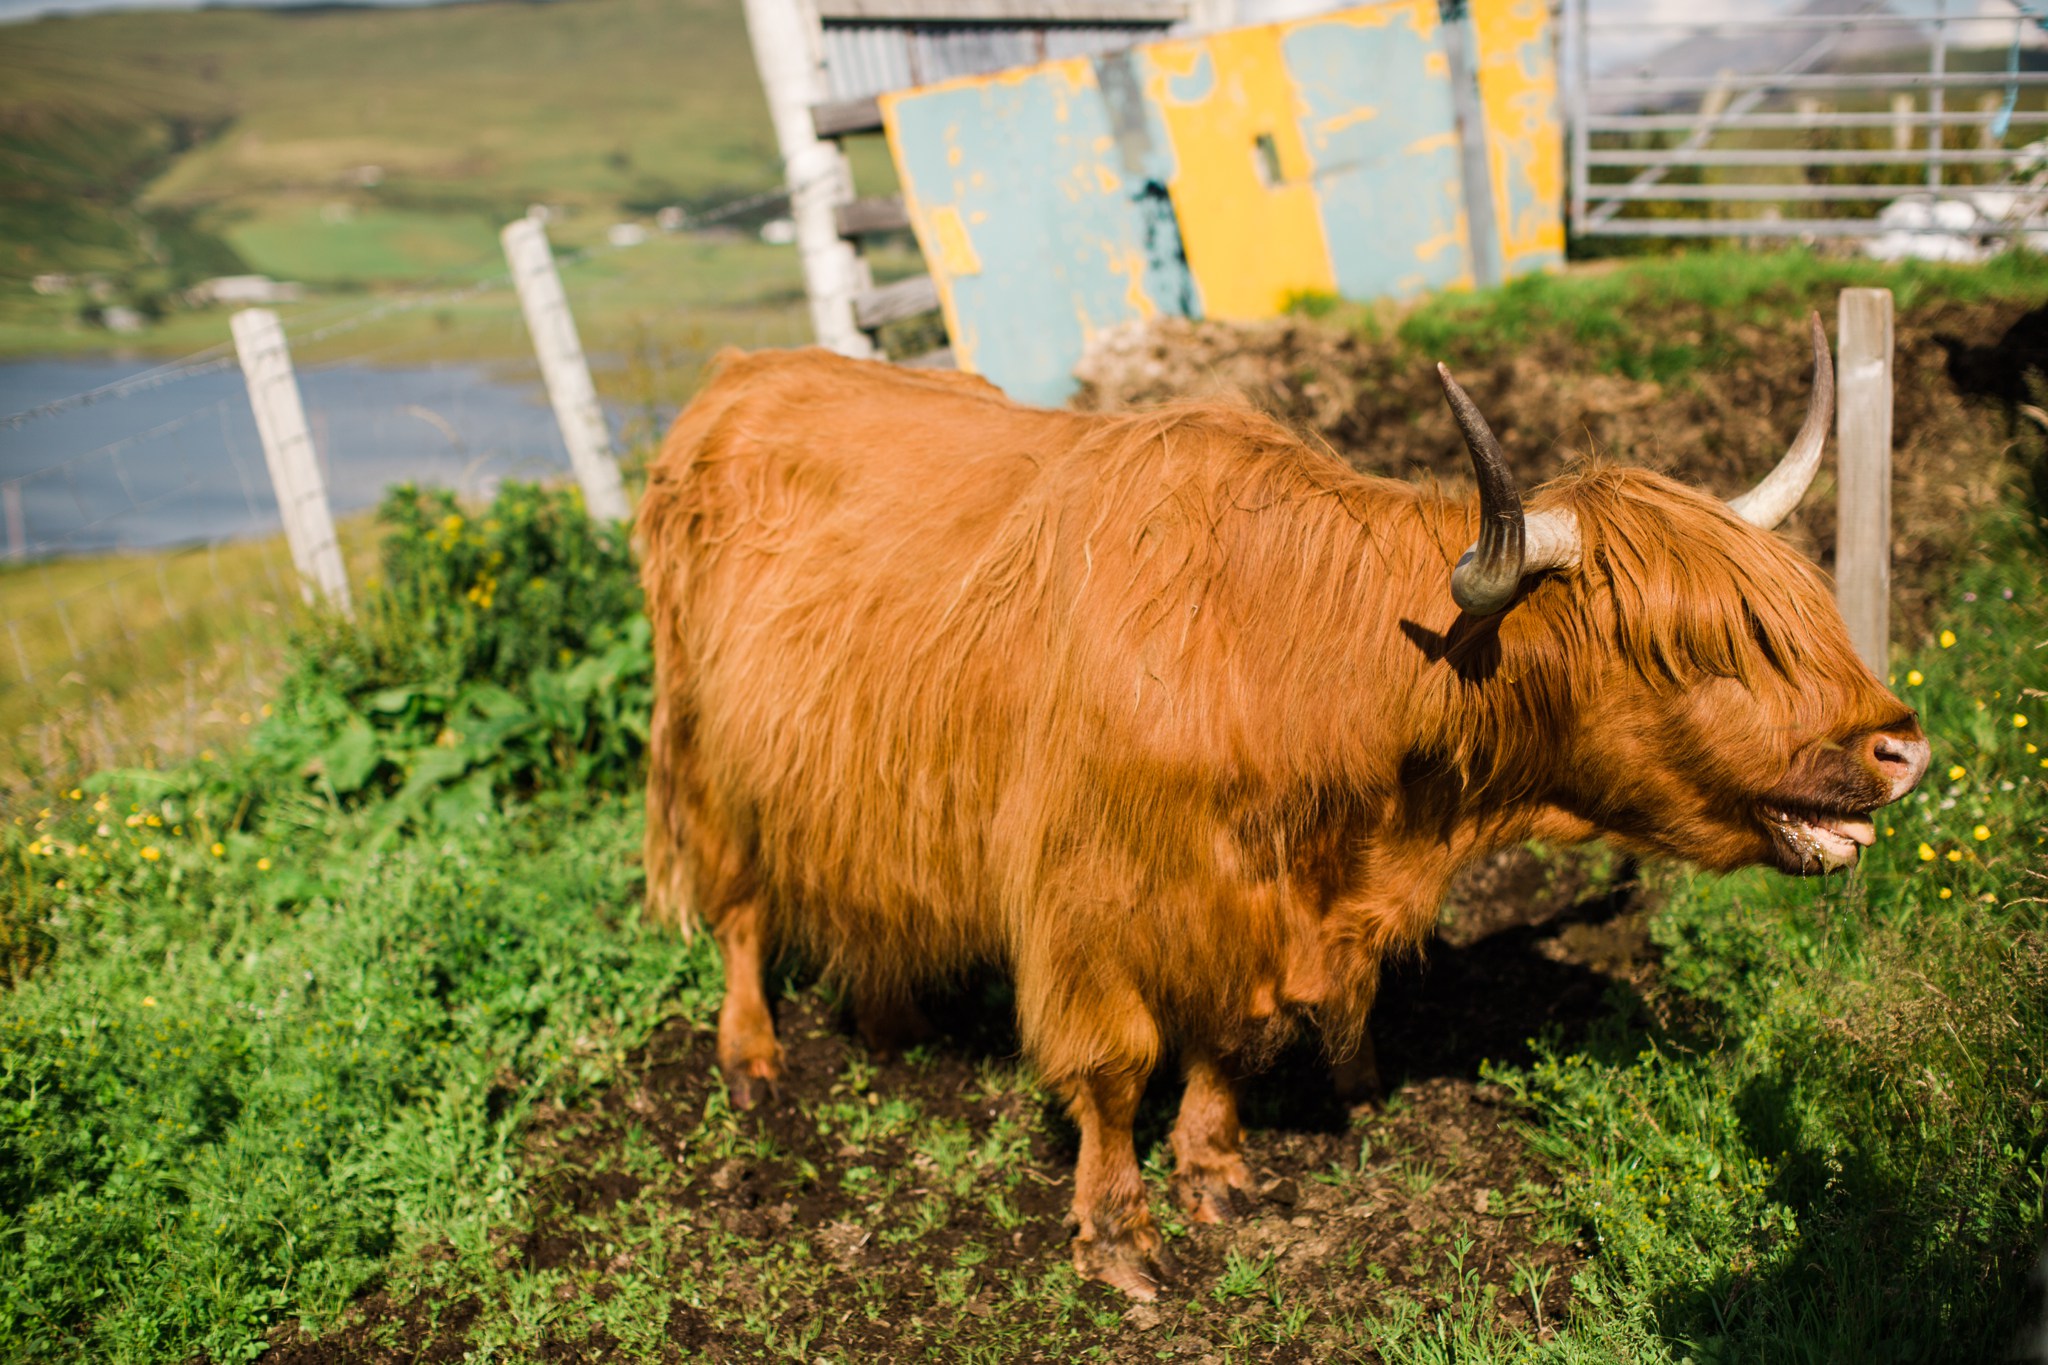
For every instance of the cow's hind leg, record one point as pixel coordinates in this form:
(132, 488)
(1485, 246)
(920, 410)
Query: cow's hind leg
(1210, 1179)
(889, 1020)
(749, 1057)
(1357, 1077)
(1117, 1242)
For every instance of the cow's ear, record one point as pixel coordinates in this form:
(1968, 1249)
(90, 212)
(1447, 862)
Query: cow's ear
(1510, 544)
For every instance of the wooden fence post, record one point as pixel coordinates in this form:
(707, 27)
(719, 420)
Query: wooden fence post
(562, 366)
(288, 452)
(1863, 430)
(17, 523)
(785, 37)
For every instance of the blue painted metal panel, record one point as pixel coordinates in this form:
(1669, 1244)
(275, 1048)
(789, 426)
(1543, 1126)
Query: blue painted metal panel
(1380, 130)
(1036, 230)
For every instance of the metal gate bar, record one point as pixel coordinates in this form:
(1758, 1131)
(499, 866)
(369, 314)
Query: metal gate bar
(1598, 106)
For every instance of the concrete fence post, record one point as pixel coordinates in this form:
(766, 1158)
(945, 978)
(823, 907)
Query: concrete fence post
(564, 369)
(1863, 432)
(288, 452)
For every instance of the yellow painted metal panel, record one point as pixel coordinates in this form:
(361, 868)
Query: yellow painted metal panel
(1250, 243)
(1525, 139)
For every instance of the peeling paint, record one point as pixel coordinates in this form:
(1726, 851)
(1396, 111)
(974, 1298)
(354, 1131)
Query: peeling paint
(956, 254)
(1215, 176)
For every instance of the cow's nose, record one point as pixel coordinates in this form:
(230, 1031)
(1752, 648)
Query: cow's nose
(1904, 761)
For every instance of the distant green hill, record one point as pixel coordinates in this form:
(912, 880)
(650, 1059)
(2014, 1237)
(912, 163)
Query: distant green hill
(357, 147)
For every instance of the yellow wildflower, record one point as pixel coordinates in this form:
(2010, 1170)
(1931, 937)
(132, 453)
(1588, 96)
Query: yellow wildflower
(1914, 678)
(1948, 639)
(75, 794)
(1955, 855)
(218, 850)
(154, 821)
(1926, 853)
(2019, 722)
(1981, 833)
(149, 1002)
(1946, 893)
(263, 864)
(150, 853)
(1957, 772)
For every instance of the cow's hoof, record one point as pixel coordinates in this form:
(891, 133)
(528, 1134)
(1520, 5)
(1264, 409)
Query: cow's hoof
(1214, 1195)
(1137, 1263)
(751, 1085)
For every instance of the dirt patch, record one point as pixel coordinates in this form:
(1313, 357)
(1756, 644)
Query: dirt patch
(914, 1207)
(1738, 398)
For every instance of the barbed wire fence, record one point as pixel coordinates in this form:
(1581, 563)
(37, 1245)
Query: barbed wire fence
(148, 583)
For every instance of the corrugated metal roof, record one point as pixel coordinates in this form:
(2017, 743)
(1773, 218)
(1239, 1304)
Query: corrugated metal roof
(867, 59)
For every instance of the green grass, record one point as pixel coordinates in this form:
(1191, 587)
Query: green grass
(1613, 312)
(1833, 1147)
(259, 1074)
(146, 657)
(338, 243)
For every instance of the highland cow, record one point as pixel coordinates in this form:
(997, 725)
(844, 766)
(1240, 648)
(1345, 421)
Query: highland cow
(1186, 725)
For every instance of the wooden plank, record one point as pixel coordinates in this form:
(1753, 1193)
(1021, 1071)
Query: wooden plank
(895, 302)
(288, 454)
(1863, 434)
(941, 359)
(884, 214)
(1160, 12)
(563, 367)
(838, 118)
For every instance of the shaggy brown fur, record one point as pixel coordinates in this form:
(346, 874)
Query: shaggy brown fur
(1174, 717)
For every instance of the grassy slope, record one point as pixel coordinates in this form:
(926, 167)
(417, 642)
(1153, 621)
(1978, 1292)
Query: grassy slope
(160, 148)
(144, 658)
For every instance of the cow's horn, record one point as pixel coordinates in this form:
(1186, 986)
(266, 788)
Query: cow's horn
(1773, 499)
(1509, 543)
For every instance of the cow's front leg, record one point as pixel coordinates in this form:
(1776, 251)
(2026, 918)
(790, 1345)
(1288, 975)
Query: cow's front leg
(1117, 1242)
(749, 1057)
(1210, 1180)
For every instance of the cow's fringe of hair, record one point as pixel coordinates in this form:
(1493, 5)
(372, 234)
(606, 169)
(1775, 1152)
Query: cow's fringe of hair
(1112, 699)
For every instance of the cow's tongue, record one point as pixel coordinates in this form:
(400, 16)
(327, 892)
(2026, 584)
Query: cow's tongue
(1857, 828)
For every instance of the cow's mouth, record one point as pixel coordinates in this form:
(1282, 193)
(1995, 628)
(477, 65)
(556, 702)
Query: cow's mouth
(1819, 841)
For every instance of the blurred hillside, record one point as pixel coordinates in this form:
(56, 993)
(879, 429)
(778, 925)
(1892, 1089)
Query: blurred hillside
(354, 148)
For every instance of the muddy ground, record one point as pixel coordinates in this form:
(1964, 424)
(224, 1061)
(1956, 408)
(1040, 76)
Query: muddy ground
(914, 1208)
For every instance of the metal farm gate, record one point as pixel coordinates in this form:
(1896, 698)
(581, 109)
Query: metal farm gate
(1834, 118)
